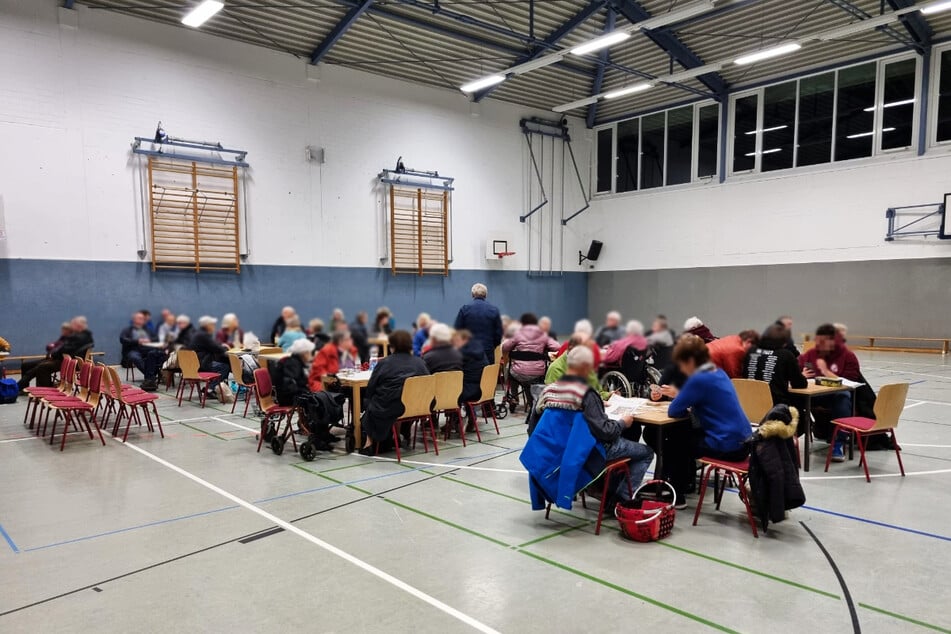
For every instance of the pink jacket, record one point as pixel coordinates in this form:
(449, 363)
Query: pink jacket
(616, 350)
(530, 338)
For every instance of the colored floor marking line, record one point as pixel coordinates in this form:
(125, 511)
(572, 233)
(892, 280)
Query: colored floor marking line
(330, 548)
(901, 617)
(629, 592)
(876, 475)
(8, 539)
(864, 520)
(567, 529)
(446, 466)
(907, 407)
(202, 431)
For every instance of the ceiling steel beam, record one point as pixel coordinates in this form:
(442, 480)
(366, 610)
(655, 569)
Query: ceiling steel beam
(672, 45)
(603, 58)
(857, 12)
(915, 23)
(338, 31)
(69, 3)
(556, 36)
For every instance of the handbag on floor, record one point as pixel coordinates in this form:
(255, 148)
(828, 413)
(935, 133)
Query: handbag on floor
(225, 395)
(9, 390)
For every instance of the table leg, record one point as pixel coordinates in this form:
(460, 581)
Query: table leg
(807, 443)
(659, 464)
(357, 429)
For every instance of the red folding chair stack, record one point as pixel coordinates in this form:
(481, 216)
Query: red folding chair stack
(67, 373)
(76, 410)
(132, 404)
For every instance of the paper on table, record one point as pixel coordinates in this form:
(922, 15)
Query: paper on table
(851, 384)
(618, 407)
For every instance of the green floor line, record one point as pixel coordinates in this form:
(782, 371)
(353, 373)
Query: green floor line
(207, 433)
(336, 481)
(447, 522)
(636, 595)
(908, 619)
(567, 529)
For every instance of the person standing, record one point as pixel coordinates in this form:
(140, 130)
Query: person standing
(482, 319)
(360, 335)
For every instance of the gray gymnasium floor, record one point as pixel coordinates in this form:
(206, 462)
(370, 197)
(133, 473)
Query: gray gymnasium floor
(180, 534)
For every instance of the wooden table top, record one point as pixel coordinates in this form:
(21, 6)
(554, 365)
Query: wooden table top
(655, 414)
(357, 378)
(818, 390)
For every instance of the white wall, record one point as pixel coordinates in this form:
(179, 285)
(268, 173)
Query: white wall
(71, 100)
(827, 214)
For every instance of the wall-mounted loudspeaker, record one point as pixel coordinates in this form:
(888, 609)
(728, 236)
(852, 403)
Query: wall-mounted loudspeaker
(594, 252)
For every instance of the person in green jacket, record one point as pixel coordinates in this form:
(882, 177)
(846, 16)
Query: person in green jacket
(559, 367)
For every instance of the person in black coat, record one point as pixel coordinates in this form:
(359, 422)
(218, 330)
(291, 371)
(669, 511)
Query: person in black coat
(76, 344)
(482, 319)
(442, 357)
(772, 362)
(290, 373)
(212, 355)
(360, 336)
(789, 343)
(136, 353)
(473, 363)
(384, 391)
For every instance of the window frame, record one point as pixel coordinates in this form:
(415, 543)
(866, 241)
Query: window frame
(934, 93)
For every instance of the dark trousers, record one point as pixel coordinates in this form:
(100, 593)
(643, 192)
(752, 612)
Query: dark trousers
(41, 370)
(683, 445)
(220, 368)
(148, 361)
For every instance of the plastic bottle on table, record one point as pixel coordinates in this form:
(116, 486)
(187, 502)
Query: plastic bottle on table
(374, 356)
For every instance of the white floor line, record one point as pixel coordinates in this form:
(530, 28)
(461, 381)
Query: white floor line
(449, 466)
(37, 437)
(905, 444)
(228, 422)
(875, 475)
(359, 563)
(185, 420)
(916, 404)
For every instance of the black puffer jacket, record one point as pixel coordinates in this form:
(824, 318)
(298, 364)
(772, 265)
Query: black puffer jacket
(774, 476)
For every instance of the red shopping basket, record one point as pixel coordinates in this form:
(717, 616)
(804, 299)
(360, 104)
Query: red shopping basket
(650, 515)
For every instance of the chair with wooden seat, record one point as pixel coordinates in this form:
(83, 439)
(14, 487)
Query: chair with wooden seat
(418, 395)
(448, 391)
(77, 411)
(486, 400)
(192, 376)
(237, 370)
(888, 408)
(132, 404)
(755, 397)
(274, 414)
(67, 377)
(739, 471)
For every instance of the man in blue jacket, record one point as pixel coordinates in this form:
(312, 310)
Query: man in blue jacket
(483, 320)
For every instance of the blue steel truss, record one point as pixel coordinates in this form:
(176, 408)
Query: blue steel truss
(857, 12)
(604, 56)
(915, 23)
(339, 30)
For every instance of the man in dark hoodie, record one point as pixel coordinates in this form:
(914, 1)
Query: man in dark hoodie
(76, 344)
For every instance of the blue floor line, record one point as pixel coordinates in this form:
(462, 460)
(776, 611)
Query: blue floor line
(8, 539)
(882, 524)
(919, 382)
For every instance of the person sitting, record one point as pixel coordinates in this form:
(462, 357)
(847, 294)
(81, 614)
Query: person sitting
(720, 427)
(559, 367)
(583, 329)
(423, 322)
(333, 357)
(291, 333)
(168, 330)
(772, 362)
(315, 332)
(661, 336)
(290, 373)
(786, 322)
(280, 324)
(137, 354)
(76, 343)
(185, 332)
(482, 319)
(442, 356)
(383, 324)
(149, 326)
(384, 392)
(473, 363)
(611, 331)
(572, 392)
(842, 330)
(337, 318)
(212, 356)
(634, 338)
(830, 357)
(545, 324)
(530, 340)
(361, 338)
(695, 326)
(230, 333)
(730, 352)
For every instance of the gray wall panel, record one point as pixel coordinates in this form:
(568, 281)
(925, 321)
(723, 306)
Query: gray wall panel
(896, 297)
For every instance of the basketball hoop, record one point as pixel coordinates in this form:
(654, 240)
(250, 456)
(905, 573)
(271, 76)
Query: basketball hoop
(505, 254)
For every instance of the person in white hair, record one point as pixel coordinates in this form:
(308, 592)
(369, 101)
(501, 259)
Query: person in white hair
(695, 326)
(611, 331)
(442, 356)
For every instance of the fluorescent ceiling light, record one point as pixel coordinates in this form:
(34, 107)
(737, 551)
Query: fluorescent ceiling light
(904, 102)
(684, 13)
(768, 53)
(581, 103)
(479, 84)
(629, 90)
(684, 75)
(860, 26)
(936, 7)
(200, 14)
(535, 64)
(600, 42)
(864, 134)
(770, 151)
(773, 129)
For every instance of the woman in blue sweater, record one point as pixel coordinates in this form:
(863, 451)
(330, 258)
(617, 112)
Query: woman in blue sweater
(720, 427)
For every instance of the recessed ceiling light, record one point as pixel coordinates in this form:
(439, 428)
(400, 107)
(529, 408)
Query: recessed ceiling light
(479, 84)
(200, 14)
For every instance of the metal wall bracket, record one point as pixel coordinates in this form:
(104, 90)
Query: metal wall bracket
(166, 149)
(917, 221)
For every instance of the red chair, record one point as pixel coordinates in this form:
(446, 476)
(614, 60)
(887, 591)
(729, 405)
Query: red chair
(273, 413)
(490, 378)
(740, 471)
(888, 408)
(620, 466)
(67, 373)
(130, 404)
(192, 377)
(73, 408)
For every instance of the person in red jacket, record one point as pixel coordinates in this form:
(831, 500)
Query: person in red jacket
(729, 353)
(832, 358)
(337, 355)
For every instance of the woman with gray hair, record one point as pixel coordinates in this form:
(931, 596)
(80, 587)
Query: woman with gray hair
(230, 332)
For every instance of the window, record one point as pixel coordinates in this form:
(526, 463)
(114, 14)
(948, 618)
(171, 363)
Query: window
(745, 115)
(898, 104)
(816, 112)
(855, 112)
(628, 151)
(679, 145)
(673, 147)
(943, 125)
(779, 127)
(708, 135)
(604, 151)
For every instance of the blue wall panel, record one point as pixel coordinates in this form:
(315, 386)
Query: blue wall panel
(37, 295)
